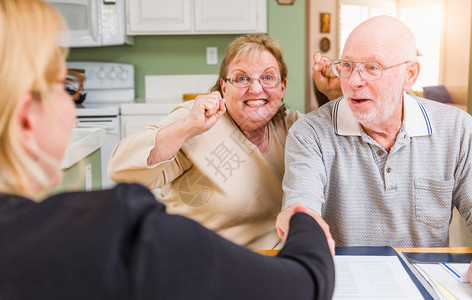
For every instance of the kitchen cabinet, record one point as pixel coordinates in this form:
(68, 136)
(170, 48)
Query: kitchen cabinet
(136, 116)
(133, 124)
(155, 17)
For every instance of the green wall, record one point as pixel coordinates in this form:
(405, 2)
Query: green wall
(286, 23)
(186, 54)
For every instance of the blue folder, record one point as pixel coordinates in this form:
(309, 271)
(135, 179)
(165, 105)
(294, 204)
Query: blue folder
(385, 251)
(434, 258)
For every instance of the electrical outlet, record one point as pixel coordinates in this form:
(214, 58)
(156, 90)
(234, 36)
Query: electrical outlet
(88, 177)
(212, 55)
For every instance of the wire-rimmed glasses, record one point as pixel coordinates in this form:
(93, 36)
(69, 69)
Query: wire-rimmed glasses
(368, 70)
(243, 81)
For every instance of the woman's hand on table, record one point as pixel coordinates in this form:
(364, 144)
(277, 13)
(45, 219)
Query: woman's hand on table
(283, 219)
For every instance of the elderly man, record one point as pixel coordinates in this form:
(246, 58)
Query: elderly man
(382, 167)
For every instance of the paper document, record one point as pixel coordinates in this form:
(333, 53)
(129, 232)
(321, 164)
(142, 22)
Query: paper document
(450, 287)
(372, 277)
(457, 271)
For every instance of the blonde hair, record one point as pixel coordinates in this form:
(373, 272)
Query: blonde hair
(30, 61)
(252, 44)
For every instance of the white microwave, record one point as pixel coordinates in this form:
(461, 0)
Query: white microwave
(94, 23)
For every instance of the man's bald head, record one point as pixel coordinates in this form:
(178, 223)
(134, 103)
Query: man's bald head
(390, 36)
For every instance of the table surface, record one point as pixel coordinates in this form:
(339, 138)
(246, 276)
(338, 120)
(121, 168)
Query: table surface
(433, 250)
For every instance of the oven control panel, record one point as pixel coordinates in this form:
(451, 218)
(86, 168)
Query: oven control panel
(105, 75)
(106, 82)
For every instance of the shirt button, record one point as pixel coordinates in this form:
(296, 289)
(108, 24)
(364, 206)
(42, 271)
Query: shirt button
(380, 153)
(389, 170)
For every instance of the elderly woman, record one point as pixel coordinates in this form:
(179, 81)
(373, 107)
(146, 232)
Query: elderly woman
(118, 243)
(220, 160)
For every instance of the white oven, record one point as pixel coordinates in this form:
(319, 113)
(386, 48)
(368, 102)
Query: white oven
(107, 86)
(94, 23)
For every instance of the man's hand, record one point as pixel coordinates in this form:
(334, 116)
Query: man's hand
(325, 80)
(283, 219)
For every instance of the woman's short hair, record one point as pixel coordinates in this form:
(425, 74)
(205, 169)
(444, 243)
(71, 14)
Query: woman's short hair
(252, 44)
(30, 60)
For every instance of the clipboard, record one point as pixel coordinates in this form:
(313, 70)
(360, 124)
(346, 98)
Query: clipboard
(420, 260)
(435, 258)
(427, 293)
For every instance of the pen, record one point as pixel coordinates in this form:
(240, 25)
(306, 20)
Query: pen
(454, 273)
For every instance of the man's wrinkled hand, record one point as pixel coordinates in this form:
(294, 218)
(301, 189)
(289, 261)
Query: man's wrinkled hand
(326, 81)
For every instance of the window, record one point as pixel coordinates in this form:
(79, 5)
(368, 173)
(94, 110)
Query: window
(354, 12)
(417, 14)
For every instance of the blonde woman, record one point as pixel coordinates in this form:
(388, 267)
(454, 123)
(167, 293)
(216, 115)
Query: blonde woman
(118, 243)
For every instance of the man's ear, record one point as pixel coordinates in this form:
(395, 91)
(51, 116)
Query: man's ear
(412, 73)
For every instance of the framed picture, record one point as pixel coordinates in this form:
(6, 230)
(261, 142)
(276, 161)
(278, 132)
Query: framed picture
(325, 20)
(325, 45)
(285, 2)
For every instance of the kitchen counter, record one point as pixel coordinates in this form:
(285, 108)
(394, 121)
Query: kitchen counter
(82, 143)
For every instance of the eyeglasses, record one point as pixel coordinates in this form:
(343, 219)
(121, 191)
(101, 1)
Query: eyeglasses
(242, 81)
(74, 85)
(368, 71)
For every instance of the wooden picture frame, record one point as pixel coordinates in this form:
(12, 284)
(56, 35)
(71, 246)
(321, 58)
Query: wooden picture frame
(285, 2)
(325, 45)
(325, 22)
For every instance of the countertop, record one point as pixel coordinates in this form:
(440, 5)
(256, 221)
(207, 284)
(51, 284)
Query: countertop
(83, 142)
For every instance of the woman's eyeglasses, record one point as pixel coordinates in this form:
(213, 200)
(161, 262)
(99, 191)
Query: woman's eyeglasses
(242, 81)
(74, 85)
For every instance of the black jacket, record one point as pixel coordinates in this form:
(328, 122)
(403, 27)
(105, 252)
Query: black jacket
(121, 244)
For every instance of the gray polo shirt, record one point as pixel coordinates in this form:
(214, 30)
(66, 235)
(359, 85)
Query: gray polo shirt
(370, 197)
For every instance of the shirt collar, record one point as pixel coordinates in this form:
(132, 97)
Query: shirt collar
(416, 120)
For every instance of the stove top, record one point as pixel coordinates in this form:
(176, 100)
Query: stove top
(107, 85)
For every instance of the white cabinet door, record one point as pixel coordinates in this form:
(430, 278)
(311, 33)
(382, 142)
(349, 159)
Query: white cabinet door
(159, 16)
(133, 124)
(196, 16)
(229, 16)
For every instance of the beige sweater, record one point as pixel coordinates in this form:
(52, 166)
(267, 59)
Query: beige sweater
(218, 178)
